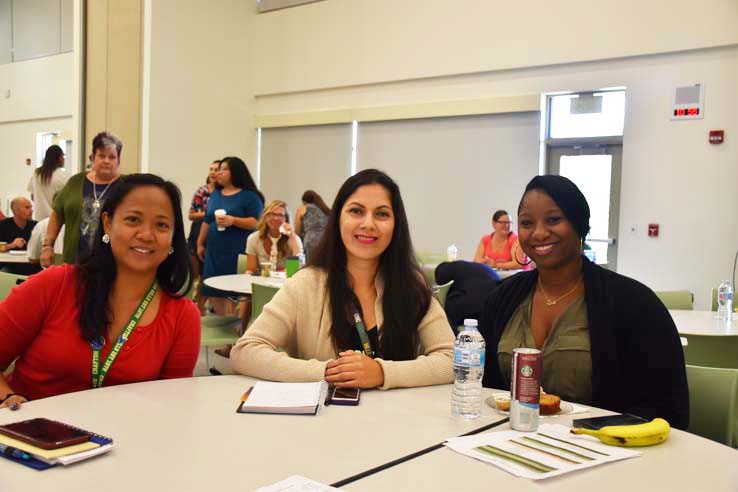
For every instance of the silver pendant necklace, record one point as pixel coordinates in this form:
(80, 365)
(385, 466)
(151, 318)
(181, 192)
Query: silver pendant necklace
(96, 202)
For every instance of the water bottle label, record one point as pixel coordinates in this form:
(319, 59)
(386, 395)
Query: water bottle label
(726, 296)
(469, 357)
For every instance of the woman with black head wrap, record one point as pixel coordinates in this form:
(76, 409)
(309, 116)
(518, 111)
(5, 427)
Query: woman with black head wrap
(606, 339)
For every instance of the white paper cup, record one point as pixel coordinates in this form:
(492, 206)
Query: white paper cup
(220, 213)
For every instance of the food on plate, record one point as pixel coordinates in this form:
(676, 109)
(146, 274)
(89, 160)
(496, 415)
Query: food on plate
(550, 404)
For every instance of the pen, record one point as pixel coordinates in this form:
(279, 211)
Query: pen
(13, 452)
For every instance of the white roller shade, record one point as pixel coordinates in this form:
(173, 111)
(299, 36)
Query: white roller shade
(304, 158)
(454, 172)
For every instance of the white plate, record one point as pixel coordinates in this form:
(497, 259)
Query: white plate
(566, 407)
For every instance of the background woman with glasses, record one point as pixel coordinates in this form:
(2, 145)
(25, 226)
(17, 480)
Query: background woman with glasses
(500, 249)
(274, 238)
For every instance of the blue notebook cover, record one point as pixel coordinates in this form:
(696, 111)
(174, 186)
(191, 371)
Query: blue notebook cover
(42, 465)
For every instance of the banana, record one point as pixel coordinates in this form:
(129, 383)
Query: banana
(648, 434)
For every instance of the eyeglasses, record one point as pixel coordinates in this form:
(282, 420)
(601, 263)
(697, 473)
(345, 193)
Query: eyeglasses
(277, 216)
(504, 222)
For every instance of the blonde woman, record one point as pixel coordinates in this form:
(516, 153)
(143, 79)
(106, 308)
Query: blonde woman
(274, 239)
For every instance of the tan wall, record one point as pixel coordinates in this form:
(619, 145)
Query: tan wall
(199, 99)
(114, 74)
(339, 43)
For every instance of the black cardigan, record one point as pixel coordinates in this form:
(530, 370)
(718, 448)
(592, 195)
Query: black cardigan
(637, 358)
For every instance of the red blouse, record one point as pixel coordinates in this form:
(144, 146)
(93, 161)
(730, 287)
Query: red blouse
(505, 254)
(39, 324)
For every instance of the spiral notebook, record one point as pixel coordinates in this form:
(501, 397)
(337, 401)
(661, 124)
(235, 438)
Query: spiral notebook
(41, 459)
(284, 398)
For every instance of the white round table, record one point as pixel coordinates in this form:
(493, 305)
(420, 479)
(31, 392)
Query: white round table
(185, 435)
(503, 274)
(20, 257)
(241, 283)
(703, 323)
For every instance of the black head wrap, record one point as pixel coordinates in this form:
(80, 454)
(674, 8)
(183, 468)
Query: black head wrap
(567, 196)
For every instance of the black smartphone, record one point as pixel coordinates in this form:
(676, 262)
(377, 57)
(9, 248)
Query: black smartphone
(596, 423)
(345, 396)
(45, 433)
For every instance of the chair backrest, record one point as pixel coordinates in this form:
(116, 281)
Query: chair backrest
(712, 350)
(7, 282)
(241, 264)
(713, 403)
(441, 292)
(676, 299)
(430, 257)
(260, 297)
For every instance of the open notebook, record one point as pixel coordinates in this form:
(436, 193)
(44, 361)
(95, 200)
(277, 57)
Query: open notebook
(284, 398)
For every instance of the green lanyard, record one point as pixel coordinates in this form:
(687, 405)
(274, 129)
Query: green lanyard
(361, 329)
(98, 374)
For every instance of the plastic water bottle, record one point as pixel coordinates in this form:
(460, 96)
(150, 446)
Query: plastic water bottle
(725, 301)
(466, 397)
(452, 252)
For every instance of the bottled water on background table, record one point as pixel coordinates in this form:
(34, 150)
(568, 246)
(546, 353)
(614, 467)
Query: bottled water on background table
(725, 301)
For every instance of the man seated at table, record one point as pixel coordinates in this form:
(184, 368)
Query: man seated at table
(15, 232)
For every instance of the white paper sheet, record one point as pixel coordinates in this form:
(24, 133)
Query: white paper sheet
(296, 483)
(467, 446)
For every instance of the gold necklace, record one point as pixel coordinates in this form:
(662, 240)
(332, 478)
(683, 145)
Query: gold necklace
(552, 302)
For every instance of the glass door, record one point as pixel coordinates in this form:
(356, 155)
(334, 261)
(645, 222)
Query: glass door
(596, 170)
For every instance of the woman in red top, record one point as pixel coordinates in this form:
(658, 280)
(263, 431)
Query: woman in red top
(500, 249)
(123, 303)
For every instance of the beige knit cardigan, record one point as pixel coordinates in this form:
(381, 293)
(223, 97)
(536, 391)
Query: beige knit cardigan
(298, 321)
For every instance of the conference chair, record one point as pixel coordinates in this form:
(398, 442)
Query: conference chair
(441, 292)
(428, 261)
(713, 403)
(217, 331)
(8, 281)
(676, 299)
(241, 264)
(712, 351)
(260, 297)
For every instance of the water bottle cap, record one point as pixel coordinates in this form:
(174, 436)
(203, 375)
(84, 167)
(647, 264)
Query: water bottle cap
(470, 322)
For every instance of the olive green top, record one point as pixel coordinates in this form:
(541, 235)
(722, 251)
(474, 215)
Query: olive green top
(567, 361)
(68, 208)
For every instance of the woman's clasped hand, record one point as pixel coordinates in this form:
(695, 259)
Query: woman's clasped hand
(354, 369)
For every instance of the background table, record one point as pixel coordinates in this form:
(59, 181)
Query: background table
(14, 258)
(241, 283)
(184, 435)
(503, 274)
(703, 323)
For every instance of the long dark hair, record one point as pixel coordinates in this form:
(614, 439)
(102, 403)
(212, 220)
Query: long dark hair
(240, 176)
(97, 270)
(52, 162)
(406, 295)
(311, 196)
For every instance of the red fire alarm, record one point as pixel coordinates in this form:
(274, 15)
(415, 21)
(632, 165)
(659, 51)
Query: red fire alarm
(653, 230)
(716, 136)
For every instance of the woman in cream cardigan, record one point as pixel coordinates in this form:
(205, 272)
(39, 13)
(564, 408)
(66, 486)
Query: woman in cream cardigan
(361, 314)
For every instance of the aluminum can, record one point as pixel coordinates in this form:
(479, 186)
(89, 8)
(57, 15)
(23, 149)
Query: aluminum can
(525, 391)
